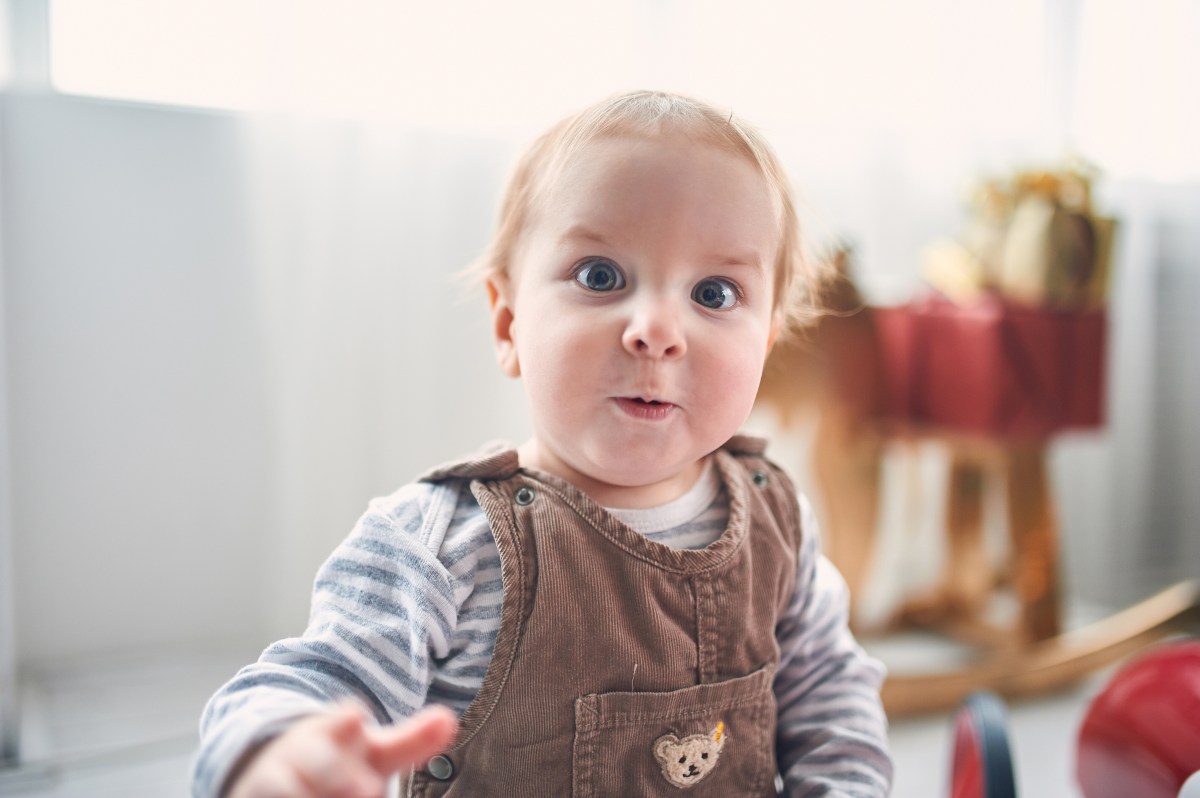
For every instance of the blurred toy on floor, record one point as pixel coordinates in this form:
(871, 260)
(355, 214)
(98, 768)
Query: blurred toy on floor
(1140, 735)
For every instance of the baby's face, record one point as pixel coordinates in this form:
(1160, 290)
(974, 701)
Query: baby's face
(640, 313)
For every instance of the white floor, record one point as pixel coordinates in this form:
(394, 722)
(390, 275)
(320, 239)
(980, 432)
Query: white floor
(127, 730)
(1041, 732)
(114, 729)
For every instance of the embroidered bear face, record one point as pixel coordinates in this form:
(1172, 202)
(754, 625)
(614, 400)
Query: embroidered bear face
(687, 761)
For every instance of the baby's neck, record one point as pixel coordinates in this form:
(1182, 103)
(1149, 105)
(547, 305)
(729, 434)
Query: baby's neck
(606, 494)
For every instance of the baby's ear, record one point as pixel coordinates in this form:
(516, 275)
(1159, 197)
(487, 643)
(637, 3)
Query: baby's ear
(776, 328)
(499, 291)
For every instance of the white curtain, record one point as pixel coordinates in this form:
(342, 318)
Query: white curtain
(8, 650)
(1132, 511)
(1149, 514)
(380, 355)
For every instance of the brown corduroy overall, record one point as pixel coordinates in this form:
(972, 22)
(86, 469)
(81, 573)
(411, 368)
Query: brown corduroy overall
(623, 667)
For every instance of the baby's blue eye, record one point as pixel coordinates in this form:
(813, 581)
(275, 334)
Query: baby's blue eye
(598, 274)
(715, 293)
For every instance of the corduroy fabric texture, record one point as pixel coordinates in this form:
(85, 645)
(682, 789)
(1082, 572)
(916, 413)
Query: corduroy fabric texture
(610, 642)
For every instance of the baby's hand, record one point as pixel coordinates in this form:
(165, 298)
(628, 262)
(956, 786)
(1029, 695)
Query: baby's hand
(340, 755)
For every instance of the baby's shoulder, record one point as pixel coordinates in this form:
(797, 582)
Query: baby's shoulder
(409, 508)
(443, 517)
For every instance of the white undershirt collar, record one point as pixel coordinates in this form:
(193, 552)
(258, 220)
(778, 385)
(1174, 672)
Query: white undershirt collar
(676, 512)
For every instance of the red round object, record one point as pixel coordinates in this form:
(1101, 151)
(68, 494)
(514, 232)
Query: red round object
(982, 764)
(1141, 734)
(966, 780)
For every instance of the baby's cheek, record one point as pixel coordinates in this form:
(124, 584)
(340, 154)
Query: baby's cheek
(735, 382)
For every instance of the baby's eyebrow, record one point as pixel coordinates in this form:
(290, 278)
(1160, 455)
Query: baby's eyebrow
(583, 232)
(747, 260)
(580, 232)
(736, 255)
(732, 258)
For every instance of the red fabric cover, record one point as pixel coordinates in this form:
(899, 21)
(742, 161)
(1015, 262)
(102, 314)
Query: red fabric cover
(992, 368)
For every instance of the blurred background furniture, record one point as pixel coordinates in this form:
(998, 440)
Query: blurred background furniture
(1006, 352)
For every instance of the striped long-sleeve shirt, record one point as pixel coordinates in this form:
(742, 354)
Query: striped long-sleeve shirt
(406, 610)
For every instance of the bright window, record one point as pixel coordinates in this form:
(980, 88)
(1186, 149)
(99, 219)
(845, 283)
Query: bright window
(445, 64)
(921, 65)
(922, 70)
(1136, 107)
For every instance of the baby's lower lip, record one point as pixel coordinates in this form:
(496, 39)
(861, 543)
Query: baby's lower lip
(651, 411)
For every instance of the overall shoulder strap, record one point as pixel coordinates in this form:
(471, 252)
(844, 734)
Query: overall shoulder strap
(746, 444)
(782, 497)
(496, 460)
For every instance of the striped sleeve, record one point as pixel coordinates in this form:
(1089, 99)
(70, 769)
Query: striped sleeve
(383, 608)
(832, 733)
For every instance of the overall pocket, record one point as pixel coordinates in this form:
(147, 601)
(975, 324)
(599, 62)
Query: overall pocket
(709, 739)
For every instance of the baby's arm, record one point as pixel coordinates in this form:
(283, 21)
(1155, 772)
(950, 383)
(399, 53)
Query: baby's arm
(340, 753)
(832, 731)
(383, 609)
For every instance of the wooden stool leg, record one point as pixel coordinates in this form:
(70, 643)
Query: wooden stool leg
(847, 455)
(1035, 543)
(968, 579)
(957, 605)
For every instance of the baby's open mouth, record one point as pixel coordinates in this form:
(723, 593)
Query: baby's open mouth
(645, 408)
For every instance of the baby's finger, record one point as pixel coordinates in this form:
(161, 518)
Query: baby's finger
(331, 762)
(347, 722)
(412, 742)
(271, 780)
(353, 779)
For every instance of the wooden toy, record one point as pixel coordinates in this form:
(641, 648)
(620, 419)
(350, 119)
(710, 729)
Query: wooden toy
(1007, 354)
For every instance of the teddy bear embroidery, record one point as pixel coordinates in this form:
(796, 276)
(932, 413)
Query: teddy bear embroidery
(685, 762)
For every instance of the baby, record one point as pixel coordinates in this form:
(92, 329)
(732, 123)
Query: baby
(633, 602)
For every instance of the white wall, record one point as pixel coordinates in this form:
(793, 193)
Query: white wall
(158, 444)
(8, 616)
(137, 408)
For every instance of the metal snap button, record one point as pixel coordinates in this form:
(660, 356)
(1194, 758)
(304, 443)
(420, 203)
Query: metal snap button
(524, 496)
(760, 478)
(440, 767)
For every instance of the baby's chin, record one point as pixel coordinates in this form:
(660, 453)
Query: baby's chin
(618, 476)
(632, 484)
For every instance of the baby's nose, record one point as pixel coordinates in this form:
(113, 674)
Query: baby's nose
(655, 332)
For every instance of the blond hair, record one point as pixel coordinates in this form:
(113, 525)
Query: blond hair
(651, 114)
